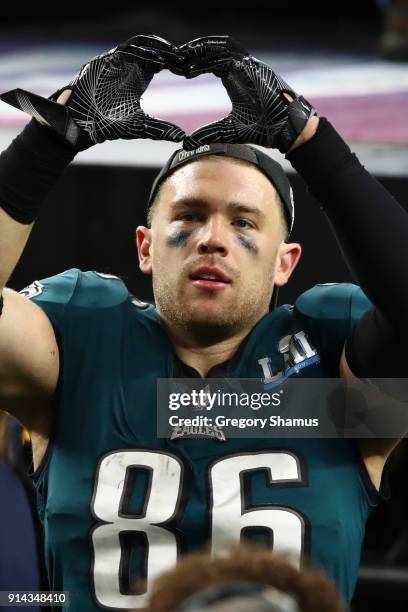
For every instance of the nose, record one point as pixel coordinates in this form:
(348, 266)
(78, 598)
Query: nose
(213, 238)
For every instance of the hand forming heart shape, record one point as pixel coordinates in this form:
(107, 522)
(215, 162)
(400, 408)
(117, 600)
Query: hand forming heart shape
(105, 96)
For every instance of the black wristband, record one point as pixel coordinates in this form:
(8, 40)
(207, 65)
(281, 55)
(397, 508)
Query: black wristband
(29, 168)
(324, 155)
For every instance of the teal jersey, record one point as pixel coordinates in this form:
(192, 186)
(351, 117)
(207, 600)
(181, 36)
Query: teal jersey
(117, 503)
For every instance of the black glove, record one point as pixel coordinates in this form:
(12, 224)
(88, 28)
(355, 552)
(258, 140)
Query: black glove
(105, 99)
(261, 114)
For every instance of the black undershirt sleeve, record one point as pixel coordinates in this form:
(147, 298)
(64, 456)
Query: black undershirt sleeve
(29, 168)
(373, 350)
(372, 230)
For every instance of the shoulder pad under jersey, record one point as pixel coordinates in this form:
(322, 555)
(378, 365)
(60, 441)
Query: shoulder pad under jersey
(84, 289)
(333, 302)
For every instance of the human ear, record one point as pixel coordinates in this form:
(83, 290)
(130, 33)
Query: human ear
(286, 261)
(144, 243)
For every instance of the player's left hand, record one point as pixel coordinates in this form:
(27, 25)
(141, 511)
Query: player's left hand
(261, 112)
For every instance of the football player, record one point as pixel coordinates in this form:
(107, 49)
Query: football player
(79, 360)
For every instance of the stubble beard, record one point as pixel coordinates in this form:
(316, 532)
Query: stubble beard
(205, 327)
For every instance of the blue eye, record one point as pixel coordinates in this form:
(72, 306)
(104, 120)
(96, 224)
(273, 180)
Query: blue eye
(244, 224)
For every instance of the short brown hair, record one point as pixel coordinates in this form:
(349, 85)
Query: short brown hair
(311, 589)
(282, 215)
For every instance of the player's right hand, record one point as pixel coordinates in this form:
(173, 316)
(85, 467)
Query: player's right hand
(106, 93)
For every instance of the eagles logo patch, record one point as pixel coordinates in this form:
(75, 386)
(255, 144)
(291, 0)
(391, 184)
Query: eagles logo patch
(139, 303)
(36, 288)
(104, 275)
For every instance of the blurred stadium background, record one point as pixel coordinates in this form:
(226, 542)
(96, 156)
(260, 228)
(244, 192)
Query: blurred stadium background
(328, 52)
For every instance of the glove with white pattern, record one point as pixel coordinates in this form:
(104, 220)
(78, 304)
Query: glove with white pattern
(105, 99)
(261, 113)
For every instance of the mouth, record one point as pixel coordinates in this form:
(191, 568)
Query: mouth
(209, 278)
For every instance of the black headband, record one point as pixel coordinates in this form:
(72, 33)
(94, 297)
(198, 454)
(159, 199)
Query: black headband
(272, 170)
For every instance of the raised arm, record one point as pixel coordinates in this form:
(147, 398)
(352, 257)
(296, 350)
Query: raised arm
(101, 103)
(29, 359)
(370, 225)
